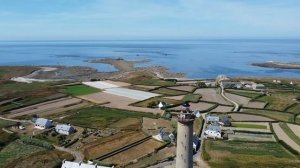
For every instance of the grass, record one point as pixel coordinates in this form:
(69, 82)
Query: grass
(150, 81)
(4, 123)
(191, 98)
(235, 154)
(169, 92)
(198, 123)
(251, 95)
(79, 90)
(6, 138)
(101, 117)
(280, 116)
(294, 109)
(290, 133)
(16, 150)
(157, 100)
(278, 101)
(255, 126)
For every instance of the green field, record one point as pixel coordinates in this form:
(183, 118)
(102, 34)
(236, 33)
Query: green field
(149, 81)
(6, 138)
(198, 125)
(295, 109)
(4, 123)
(79, 90)
(249, 94)
(243, 125)
(145, 103)
(101, 117)
(191, 98)
(169, 92)
(16, 150)
(230, 154)
(290, 133)
(278, 101)
(280, 116)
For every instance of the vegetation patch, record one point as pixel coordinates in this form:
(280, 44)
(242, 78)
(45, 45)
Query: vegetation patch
(290, 133)
(255, 126)
(153, 102)
(280, 116)
(248, 94)
(101, 117)
(294, 109)
(5, 123)
(278, 101)
(191, 98)
(79, 90)
(150, 81)
(198, 124)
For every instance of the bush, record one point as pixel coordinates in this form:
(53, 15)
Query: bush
(36, 142)
(152, 104)
(71, 143)
(201, 84)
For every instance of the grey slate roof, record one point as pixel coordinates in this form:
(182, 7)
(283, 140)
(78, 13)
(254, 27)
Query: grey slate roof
(41, 121)
(63, 127)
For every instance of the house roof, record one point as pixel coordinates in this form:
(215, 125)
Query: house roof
(42, 121)
(212, 118)
(63, 127)
(214, 128)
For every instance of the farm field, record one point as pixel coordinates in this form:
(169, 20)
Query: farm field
(248, 154)
(79, 90)
(294, 109)
(290, 133)
(201, 106)
(242, 136)
(250, 125)
(280, 116)
(248, 117)
(152, 126)
(101, 117)
(245, 101)
(295, 129)
(191, 98)
(175, 97)
(211, 95)
(145, 103)
(149, 81)
(168, 92)
(222, 109)
(278, 101)
(184, 88)
(245, 93)
(134, 153)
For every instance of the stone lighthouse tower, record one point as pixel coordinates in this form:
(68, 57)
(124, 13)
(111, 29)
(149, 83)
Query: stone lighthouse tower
(184, 153)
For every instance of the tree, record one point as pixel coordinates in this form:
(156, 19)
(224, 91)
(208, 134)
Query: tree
(201, 84)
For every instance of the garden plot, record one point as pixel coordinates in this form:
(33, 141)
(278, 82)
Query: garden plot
(119, 102)
(284, 137)
(139, 151)
(251, 137)
(249, 126)
(44, 107)
(295, 129)
(201, 106)
(211, 95)
(245, 101)
(175, 97)
(222, 109)
(248, 117)
(183, 88)
(152, 126)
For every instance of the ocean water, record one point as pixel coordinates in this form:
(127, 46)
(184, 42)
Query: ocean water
(197, 58)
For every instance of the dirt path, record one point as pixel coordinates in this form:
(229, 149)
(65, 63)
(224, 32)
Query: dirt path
(236, 105)
(77, 155)
(284, 137)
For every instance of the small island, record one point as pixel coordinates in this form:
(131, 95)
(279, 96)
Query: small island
(281, 65)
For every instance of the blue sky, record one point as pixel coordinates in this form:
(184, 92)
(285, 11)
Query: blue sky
(148, 19)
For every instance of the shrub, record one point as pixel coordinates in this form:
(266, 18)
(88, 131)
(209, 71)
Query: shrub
(36, 142)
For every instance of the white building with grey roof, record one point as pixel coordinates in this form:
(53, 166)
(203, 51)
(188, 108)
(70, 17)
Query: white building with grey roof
(64, 129)
(43, 123)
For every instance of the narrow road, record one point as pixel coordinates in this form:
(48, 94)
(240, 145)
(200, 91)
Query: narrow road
(236, 105)
(13, 120)
(77, 155)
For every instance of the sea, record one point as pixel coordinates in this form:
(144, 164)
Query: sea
(199, 59)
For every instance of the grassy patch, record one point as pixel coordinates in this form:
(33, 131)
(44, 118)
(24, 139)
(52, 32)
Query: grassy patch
(148, 80)
(280, 116)
(16, 150)
(278, 101)
(156, 100)
(78, 90)
(251, 95)
(4, 123)
(290, 133)
(242, 125)
(6, 138)
(169, 92)
(198, 125)
(191, 98)
(295, 109)
(229, 154)
(101, 117)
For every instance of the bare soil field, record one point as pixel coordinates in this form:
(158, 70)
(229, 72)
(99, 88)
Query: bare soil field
(134, 153)
(175, 97)
(248, 117)
(51, 107)
(183, 88)
(152, 126)
(251, 137)
(211, 95)
(197, 106)
(153, 159)
(147, 87)
(186, 82)
(222, 109)
(117, 83)
(245, 101)
(295, 129)
(108, 144)
(127, 123)
(118, 102)
(284, 137)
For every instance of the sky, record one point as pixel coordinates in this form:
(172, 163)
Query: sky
(148, 19)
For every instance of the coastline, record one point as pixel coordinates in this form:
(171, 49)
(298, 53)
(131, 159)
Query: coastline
(280, 65)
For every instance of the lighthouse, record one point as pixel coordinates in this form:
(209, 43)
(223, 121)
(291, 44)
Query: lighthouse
(184, 151)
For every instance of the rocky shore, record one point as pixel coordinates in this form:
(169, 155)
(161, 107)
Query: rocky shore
(281, 65)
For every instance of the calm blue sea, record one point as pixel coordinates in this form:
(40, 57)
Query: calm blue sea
(198, 59)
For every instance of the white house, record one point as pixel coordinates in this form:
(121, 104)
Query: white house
(212, 119)
(42, 123)
(213, 131)
(258, 87)
(64, 129)
(68, 164)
